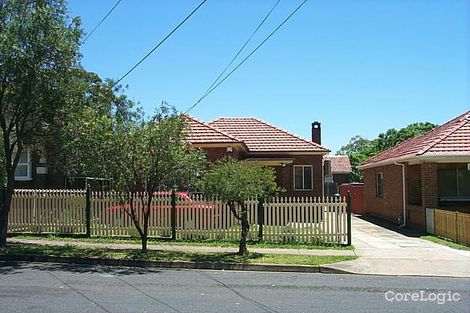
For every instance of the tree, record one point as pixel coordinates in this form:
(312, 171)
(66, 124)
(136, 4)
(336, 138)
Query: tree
(234, 182)
(39, 50)
(143, 156)
(360, 149)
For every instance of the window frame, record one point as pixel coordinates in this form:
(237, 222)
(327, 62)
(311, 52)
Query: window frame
(379, 184)
(458, 196)
(29, 167)
(303, 177)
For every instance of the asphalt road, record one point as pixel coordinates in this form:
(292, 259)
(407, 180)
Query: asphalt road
(49, 288)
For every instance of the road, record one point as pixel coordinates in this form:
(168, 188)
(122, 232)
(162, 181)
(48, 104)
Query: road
(49, 288)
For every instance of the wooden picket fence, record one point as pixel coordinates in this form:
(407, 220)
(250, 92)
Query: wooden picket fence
(47, 211)
(453, 225)
(282, 219)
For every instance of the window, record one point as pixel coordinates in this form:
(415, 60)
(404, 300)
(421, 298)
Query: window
(454, 183)
(379, 185)
(23, 169)
(303, 177)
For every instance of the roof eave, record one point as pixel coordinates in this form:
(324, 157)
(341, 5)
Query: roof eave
(284, 152)
(438, 158)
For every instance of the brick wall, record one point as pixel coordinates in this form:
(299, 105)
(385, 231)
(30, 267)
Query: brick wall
(213, 154)
(429, 191)
(390, 205)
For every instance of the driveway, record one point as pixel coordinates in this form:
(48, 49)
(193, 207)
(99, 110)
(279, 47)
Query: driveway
(384, 251)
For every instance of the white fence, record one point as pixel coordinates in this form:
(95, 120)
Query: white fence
(282, 219)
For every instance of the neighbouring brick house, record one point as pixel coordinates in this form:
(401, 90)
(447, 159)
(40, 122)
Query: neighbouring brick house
(337, 171)
(297, 162)
(429, 171)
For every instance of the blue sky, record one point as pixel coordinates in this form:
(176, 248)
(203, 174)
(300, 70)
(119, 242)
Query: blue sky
(359, 67)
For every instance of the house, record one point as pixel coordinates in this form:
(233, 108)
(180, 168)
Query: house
(34, 172)
(429, 171)
(297, 161)
(337, 170)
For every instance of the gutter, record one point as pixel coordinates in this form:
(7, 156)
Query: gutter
(403, 191)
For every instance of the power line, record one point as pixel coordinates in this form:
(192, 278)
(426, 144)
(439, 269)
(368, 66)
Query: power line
(247, 57)
(101, 22)
(159, 44)
(240, 50)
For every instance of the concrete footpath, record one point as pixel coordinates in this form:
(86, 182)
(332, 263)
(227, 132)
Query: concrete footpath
(385, 251)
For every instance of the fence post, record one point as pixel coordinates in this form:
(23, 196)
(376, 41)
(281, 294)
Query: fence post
(260, 217)
(88, 212)
(173, 214)
(349, 211)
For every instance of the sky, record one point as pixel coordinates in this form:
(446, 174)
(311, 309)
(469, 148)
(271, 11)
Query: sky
(359, 67)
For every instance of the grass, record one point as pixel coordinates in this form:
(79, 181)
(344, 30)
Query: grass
(251, 258)
(445, 242)
(207, 243)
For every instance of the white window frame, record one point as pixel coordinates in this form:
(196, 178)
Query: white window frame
(29, 166)
(303, 178)
(381, 174)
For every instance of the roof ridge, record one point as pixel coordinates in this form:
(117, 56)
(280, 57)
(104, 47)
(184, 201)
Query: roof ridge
(212, 127)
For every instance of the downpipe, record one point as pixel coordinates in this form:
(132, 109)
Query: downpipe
(403, 176)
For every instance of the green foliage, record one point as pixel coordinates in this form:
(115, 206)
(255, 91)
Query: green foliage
(149, 155)
(360, 149)
(140, 155)
(85, 143)
(236, 181)
(39, 54)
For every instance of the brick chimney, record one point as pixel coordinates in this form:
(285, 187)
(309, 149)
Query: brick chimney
(316, 132)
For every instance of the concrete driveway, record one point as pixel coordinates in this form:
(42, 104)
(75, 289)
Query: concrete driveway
(384, 251)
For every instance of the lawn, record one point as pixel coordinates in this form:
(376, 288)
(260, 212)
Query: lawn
(209, 243)
(445, 242)
(155, 255)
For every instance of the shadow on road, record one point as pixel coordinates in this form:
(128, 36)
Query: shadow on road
(13, 267)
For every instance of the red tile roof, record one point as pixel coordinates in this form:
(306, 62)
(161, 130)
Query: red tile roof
(448, 140)
(200, 132)
(339, 164)
(260, 136)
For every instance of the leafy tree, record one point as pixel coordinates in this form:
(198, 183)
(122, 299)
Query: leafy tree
(360, 149)
(234, 182)
(82, 146)
(39, 51)
(143, 156)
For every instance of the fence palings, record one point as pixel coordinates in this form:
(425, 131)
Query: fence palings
(47, 211)
(453, 225)
(286, 219)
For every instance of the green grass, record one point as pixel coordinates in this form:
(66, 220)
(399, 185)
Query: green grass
(207, 243)
(251, 258)
(445, 242)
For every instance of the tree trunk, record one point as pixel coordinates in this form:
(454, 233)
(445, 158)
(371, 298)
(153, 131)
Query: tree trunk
(244, 232)
(4, 211)
(145, 230)
(144, 240)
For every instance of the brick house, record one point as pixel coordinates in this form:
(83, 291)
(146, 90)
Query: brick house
(33, 172)
(337, 170)
(429, 171)
(297, 162)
